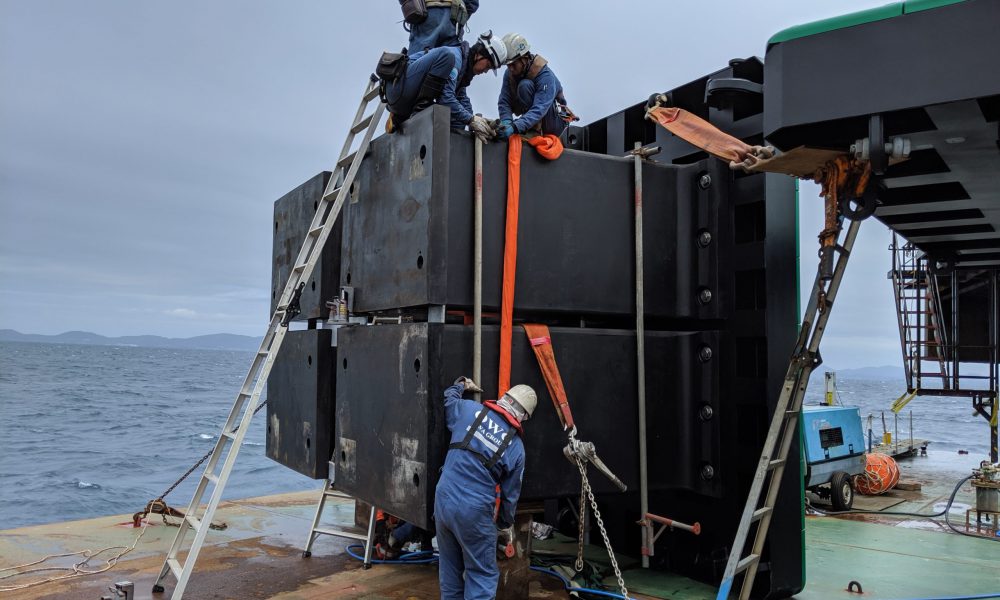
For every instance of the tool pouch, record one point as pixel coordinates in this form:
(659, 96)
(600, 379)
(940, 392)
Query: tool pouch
(459, 15)
(414, 11)
(391, 67)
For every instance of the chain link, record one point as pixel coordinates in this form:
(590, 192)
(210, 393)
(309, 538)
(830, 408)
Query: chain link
(585, 488)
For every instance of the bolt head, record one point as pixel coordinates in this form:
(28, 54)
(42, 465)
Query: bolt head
(707, 472)
(706, 413)
(705, 353)
(705, 181)
(705, 296)
(704, 239)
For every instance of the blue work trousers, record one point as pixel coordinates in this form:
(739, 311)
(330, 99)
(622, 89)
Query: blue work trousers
(551, 122)
(402, 94)
(467, 542)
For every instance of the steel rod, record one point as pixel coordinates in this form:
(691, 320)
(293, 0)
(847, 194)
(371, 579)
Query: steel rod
(477, 302)
(640, 345)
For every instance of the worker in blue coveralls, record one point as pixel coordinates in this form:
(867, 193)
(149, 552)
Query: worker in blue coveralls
(486, 454)
(441, 76)
(444, 25)
(531, 90)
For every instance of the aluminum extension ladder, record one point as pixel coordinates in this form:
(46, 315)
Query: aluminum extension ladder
(784, 425)
(316, 530)
(247, 401)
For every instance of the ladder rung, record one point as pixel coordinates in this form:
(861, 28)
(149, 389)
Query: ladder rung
(341, 533)
(371, 95)
(229, 434)
(746, 562)
(931, 375)
(213, 478)
(362, 124)
(175, 568)
(193, 522)
(263, 353)
(346, 161)
(775, 463)
(315, 231)
(760, 512)
(332, 195)
(299, 268)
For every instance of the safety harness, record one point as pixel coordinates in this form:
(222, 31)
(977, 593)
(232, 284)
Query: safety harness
(466, 444)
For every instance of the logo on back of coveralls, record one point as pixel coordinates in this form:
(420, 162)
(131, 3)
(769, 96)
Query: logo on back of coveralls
(490, 433)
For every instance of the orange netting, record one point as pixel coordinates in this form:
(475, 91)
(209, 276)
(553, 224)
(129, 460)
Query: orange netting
(881, 475)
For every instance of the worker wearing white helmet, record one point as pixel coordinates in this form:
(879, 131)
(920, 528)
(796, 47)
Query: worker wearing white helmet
(441, 76)
(485, 463)
(530, 92)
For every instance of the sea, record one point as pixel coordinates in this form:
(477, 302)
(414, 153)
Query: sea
(88, 431)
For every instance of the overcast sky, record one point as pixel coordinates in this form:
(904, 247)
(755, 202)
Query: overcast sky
(142, 144)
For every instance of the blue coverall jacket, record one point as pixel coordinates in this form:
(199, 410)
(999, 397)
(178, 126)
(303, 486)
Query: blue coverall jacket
(438, 30)
(466, 495)
(534, 100)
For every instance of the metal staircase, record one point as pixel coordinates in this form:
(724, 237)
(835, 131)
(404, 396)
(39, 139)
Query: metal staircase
(948, 331)
(918, 309)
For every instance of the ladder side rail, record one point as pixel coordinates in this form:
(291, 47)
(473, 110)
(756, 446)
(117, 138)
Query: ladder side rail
(898, 294)
(217, 453)
(802, 367)
(334, 211)
(756, 486)
(248, 399)
(223, 476)
(345, 151)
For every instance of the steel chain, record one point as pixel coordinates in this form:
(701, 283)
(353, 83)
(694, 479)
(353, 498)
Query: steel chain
(201, 460)
(585, 487)
(582, 518)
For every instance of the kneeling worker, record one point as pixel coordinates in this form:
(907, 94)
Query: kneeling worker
(441, 76)
(486, 453)
(530, 89)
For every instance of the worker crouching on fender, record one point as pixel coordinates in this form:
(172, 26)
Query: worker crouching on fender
(441, 75)
(530, 89)
(486, 454)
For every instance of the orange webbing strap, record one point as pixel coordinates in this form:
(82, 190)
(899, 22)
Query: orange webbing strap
(548, 146)
(541, 343)
(700, 133)
(509, 262)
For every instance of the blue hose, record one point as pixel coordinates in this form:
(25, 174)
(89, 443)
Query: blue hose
(571, 588)
(410, 558)
(977, 597)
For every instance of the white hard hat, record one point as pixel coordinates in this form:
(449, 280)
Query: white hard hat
(495, 49)
(516, 45)
(524, 397)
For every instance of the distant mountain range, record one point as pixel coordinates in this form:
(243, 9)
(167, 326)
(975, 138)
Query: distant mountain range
(218, 341)
(881, 373)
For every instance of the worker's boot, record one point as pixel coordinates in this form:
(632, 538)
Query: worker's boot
(430, 90)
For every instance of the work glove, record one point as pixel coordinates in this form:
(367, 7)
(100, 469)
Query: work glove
(480, 126)
(506, 129)
(468, 385)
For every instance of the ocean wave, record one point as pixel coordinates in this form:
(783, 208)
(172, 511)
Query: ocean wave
(85, 485)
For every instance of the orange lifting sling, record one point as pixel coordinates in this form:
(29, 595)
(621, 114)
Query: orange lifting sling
(548, 146)
(541, 343)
